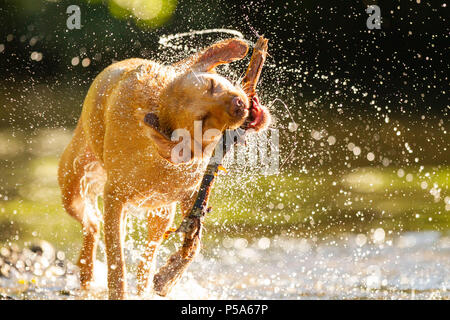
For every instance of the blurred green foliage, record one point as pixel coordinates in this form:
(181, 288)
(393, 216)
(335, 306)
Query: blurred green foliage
(149, 13)
(336, 78)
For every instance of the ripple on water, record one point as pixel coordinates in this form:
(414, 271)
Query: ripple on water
(412, 265)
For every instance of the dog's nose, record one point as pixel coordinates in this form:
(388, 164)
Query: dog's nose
(238, 108)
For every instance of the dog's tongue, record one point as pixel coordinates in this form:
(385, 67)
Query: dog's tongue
(256, 113)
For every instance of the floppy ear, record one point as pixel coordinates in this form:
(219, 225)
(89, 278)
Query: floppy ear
(163, 143)
(220, 53)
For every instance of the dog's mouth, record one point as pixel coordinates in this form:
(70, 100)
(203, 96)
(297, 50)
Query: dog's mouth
(257, 116)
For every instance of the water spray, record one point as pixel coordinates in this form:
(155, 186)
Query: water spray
(191, 225)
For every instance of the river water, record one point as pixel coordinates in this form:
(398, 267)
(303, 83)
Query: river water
(398, 190)
(413, 265)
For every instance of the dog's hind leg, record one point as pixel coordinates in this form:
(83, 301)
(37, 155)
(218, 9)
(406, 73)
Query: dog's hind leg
(77, 166)
(158, 222)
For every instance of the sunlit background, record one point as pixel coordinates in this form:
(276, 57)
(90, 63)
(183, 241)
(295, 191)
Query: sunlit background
(360, 207)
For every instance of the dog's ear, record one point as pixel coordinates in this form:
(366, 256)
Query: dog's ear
(220, 53)
(163, 143)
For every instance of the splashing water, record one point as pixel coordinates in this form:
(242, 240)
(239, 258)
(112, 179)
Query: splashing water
(339, 219)
(167, 41)
(372, 266)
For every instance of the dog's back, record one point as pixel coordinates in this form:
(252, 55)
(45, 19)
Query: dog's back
(117, 79)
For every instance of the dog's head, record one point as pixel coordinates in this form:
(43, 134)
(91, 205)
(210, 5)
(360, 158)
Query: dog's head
(200, 95)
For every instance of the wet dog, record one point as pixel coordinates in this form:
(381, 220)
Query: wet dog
(122, 149)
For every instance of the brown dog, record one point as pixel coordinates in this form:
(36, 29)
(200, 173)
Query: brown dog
(115, 154)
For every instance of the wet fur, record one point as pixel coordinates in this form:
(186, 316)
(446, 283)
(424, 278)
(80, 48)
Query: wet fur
(115, 154)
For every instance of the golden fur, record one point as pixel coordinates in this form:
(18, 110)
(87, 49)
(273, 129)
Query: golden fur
(115, 154)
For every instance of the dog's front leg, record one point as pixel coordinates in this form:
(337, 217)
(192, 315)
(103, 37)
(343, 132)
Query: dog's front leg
(114, 237)
(158, 222)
